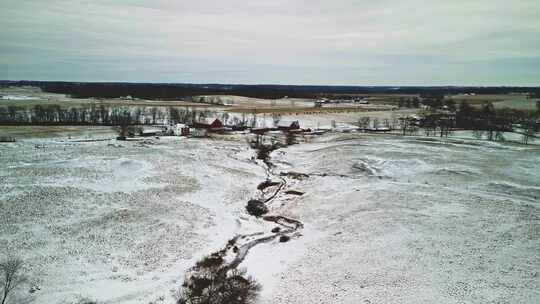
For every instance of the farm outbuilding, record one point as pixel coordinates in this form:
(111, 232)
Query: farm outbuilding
(286, 125)
(210, 124)
(181, 130)
(151, 131)
(260, 130)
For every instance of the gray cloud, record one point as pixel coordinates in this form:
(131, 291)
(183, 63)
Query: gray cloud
(297, 41)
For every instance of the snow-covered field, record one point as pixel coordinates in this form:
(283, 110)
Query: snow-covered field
(387, 219)
(119, 222)
(408, 220)
(27, 93)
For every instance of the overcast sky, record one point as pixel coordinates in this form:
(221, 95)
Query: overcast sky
(362, 42)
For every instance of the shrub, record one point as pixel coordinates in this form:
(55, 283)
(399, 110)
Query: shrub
(294, 175)
(7, 139)
(294, 192)
(10, 276)
(264, 150)
(256, 207)
(284, 238)
(219, 287)
(266, 184)
(213, 260)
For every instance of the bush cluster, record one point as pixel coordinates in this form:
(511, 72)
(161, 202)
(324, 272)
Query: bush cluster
(212, 282)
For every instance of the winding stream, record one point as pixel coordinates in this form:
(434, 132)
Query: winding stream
(233, 254)
(287, 225)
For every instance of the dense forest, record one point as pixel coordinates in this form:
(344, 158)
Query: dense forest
(171, 91)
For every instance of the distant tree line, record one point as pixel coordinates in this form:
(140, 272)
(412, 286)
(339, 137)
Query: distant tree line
(100, 115)
(534, 94)
(413, 102)
(483, 121)
(169, 91)
(438, 103)
(487, 119)
(431, 101)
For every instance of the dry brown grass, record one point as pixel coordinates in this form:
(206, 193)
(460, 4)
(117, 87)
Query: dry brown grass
(480, 99)
(301, 110)
(53, 131)
(518, 102)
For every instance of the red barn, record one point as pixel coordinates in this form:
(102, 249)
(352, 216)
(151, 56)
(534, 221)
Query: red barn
(210, 124)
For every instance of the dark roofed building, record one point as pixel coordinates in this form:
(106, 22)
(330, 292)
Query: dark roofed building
(210, 124)
(287, 125)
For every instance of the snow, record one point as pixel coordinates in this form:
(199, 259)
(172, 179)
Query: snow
(119, 224)
(440, 221)
(26, 93)
(16, 97)
(387, 219)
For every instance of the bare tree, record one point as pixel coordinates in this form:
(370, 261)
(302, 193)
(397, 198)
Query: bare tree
(276, 117)
(375, 123)
(478, 134)
(11, 277)
(408, 125)
(363, 123)
(154, 113)
(386, 123)
(254, 119)
(529, 130)
(125, 130)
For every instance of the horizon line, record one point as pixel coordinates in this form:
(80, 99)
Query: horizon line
(282, 84)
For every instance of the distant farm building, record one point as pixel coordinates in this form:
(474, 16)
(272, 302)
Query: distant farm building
(239, 128)
(285, 125)
(151, 131)
(210, 125)
(361, 101)
(181, 130)
(323, 100)
(260, 130)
